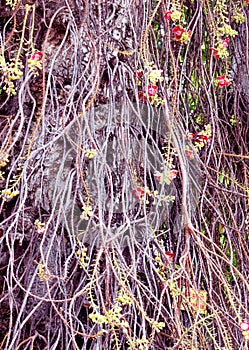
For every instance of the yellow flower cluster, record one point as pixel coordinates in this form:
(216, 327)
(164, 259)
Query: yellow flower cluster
(9, 88)
(161, 268)
(34, 63)
(11, 3)
(4, 160)
(154, 75)
(246, 334)
(9, 193)
(11, 71)
(86, 212)
(207, 130)
(158, 326)
(222, 51)
(174, 289)
(112, 317)
(156, 100)
(140, 344)
(43, 273)
(185, 38)
(239, 18)
(123, 298)
(82, 254)
(175, 15)
(227, 30)
(90, 153)
(97, 318)
(40, 226)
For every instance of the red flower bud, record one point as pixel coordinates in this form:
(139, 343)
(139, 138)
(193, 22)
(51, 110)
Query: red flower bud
(170, 255)
(222, 81)
(152, 90)
(139, 74)
(215, 52)
(138, 193)
(173, 174)
(190, 136)
(189, 32)
(178, 31)
(37, 55)
(141, 96)
(168, 15)
(198, 137)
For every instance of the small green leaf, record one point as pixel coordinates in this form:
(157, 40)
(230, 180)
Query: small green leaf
(221, 177)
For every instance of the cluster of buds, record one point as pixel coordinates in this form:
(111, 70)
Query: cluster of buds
(238, 17)
(13, 71)
(11, 3)
(9, 88)
(221, 50)
(139, 344)
(98, 318)
(112, 317)
(16, 74)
